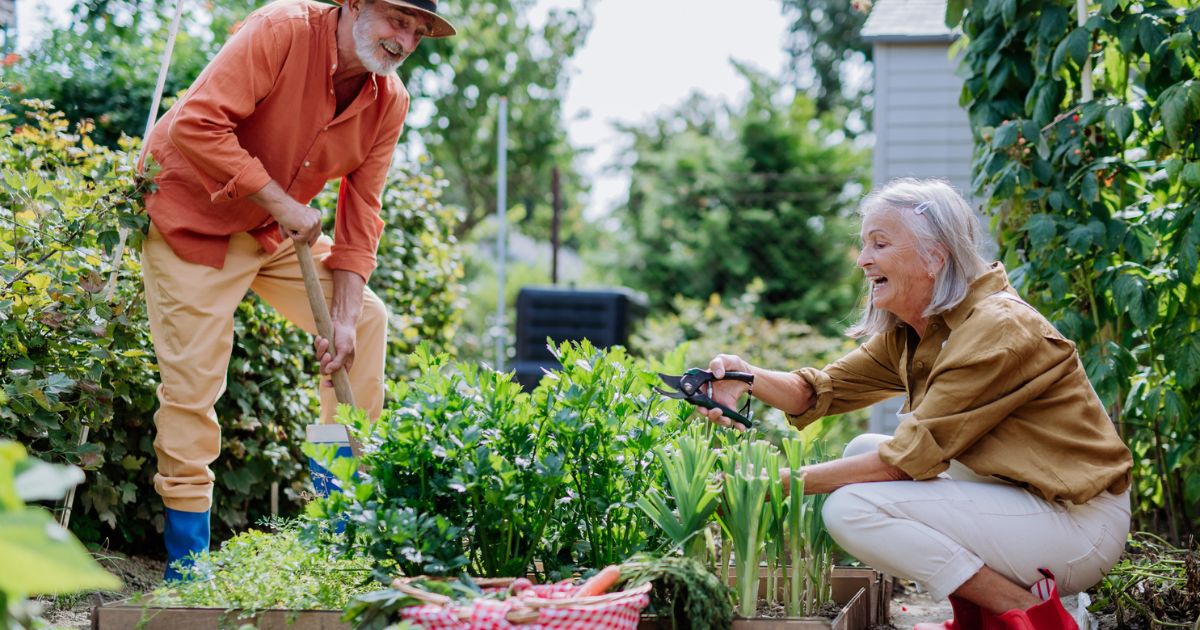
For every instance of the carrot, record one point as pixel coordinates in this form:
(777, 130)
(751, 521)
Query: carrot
(600, 583)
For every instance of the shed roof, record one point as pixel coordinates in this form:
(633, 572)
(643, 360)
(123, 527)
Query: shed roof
(908, 21)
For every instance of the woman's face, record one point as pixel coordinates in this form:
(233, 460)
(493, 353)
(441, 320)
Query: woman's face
(899, 277)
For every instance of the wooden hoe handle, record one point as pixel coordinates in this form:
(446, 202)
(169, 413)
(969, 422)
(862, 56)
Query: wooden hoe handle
(320, 310)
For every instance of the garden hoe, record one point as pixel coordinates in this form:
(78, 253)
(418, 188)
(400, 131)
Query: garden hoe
(325, 433)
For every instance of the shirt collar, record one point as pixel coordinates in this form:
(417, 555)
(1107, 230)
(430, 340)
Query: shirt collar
(993, 281)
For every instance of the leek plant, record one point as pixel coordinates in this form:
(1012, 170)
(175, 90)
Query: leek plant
(688, 468)
(747, 481)
(809, 545)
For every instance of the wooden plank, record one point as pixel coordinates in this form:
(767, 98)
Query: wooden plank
(123, 616)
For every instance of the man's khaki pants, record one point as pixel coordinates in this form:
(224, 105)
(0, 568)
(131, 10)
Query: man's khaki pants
(191, 310)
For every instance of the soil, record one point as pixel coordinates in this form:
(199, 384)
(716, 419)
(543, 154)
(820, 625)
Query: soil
(138, 573)
(912, 606)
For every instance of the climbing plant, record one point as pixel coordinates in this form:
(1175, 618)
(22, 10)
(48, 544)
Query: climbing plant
(1095, 199)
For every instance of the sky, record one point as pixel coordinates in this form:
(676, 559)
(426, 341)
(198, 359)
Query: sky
(642, 56)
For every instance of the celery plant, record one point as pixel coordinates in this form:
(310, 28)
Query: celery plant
(689, 470)
(747, 479)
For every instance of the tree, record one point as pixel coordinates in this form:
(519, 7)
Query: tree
(500, 52)
(824, 43)
(767, 193)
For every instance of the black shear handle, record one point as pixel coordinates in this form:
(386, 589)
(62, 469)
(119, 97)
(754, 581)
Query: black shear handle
(736, 416)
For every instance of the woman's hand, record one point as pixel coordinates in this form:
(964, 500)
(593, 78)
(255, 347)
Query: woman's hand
(729, 391)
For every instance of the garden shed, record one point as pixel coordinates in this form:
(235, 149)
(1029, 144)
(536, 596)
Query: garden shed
(920, 129)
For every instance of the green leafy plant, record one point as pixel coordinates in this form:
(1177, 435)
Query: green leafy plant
(464, 471)
(688, 466)
(746, 484)
(685, 591)
(1096, 203)
(258, 570)
(38, 556)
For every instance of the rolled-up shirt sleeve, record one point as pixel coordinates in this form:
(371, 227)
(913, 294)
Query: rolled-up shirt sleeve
(970, 392)
(357, 226)
(225, 94)
(865, 376)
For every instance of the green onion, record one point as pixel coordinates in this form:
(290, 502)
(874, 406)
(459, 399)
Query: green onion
(747, 480)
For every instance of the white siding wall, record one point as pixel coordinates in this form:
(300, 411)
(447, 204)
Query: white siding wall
(920, 130)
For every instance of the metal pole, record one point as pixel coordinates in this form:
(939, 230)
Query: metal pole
(556, 193)
(1085, 81)
(502, 231)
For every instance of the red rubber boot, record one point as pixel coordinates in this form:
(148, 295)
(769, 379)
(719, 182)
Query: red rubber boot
(1048, 615)
(967, 616)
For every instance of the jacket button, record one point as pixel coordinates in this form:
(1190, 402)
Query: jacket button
(307, 163)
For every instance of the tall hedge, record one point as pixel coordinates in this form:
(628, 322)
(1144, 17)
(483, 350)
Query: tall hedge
(1097, 206)
(73, 358)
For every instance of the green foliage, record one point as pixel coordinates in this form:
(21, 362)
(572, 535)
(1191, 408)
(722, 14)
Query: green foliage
(713, 208)
(1098, 210)
(692, 487)
(259, 570)
(684, 590)
(77, 357)
(39, 556)
(825, 43)
(464, 471)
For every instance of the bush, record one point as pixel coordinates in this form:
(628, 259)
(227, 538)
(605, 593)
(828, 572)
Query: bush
(79, 358)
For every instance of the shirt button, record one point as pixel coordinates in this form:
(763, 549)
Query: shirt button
(307, 163)
(920, 365)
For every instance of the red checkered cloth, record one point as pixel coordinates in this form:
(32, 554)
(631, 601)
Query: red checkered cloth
(618, 613)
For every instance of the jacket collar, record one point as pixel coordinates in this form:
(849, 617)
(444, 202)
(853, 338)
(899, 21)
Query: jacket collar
(991, 282)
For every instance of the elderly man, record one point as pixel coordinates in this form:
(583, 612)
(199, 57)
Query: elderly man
(303, 93)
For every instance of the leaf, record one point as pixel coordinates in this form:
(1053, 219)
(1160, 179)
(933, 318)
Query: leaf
(40, 481)
(40, 557)
(1041, 229)
(1185, 360)
(1006, 136)
(1134, 297)
(1074, 45)
(1119, 120)
(1191, 174)
(1175, 107)
(1089, 187)
(954, 12)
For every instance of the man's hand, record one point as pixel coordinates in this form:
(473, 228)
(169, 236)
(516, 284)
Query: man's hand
(296, 221)
(340, 355)
(299, 222)
(348, 290)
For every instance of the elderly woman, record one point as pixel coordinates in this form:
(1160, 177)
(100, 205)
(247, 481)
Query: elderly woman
(1005, 467)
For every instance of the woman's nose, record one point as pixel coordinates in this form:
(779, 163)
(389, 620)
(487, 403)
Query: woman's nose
(862, 258)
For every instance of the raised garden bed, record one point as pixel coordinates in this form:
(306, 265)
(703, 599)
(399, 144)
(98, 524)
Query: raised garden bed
(851, 591)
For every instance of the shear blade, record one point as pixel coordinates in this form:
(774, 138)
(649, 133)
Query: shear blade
(669, 394)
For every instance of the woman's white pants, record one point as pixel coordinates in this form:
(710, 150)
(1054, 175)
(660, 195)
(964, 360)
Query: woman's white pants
(942, 531)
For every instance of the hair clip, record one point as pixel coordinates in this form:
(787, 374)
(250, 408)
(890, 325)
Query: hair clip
(922, 207)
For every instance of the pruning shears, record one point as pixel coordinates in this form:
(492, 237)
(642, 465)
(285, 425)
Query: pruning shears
(695, 386)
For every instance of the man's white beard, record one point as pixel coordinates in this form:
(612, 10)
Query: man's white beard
(369, 50)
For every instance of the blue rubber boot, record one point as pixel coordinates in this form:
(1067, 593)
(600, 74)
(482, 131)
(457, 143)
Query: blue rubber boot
(323, 481)
(185, 533)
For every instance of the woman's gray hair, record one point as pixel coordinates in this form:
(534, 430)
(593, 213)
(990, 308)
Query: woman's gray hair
(941, 219)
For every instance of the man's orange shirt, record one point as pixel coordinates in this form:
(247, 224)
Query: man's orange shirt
(264, 110)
